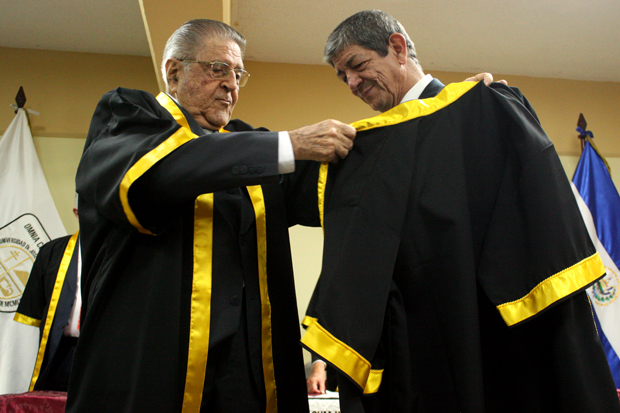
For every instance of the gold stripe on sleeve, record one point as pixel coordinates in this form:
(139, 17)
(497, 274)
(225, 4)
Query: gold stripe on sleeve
(344, 357)
(553, 289)
(258, 201)
(200, 309)
(51, 310)
(177, 139)
(24, 319)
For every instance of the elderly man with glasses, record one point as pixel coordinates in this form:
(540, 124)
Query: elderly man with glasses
(189, 300)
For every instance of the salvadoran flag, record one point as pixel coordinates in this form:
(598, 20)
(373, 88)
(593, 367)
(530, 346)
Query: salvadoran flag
(599, 203)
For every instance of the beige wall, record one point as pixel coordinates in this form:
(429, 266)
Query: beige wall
(65, 88)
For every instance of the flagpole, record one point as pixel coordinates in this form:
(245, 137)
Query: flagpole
(586, 135)
(20, 98)
(581, 128)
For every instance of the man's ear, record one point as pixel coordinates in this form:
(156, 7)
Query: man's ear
(173, 67)
(398, 46)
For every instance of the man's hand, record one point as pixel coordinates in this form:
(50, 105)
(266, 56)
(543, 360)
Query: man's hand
(323, 142)
(316, 381)
(487, 77)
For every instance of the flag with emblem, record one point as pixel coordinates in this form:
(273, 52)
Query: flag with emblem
(599, 203)
(28, 219)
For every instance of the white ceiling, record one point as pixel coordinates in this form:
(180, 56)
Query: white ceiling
(571, 39)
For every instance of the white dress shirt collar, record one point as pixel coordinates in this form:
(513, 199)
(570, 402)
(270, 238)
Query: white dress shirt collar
(417, 89)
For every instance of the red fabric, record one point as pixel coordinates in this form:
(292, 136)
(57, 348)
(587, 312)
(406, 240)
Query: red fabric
(34, 402)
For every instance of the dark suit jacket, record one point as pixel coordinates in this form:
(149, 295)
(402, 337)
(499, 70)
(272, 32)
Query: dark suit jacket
(432, 89)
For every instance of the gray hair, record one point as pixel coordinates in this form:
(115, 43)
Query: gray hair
(370, 29)
(186, 42)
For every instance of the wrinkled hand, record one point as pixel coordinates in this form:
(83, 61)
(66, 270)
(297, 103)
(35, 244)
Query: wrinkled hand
(316, 381)
(323, 142)
(487, 77)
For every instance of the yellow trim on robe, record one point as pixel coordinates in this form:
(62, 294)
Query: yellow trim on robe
(344, 357)
(202, 286)
(416, 108)
(546, 293)
(553, 289)
(29, 321)
(258, 201)
(321, 192)
(51, 311)
(404, 112)
(200, 308)
(168, 103)
(181, 136)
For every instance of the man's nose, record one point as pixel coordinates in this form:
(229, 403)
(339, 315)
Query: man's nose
(230, 81)
(353, 81)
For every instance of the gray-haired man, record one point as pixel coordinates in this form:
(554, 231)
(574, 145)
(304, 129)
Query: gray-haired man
(455, 256)
(189, 301)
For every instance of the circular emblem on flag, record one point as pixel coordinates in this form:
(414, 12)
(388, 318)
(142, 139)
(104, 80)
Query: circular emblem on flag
(606, 290)
(20, 241)
(16, 264)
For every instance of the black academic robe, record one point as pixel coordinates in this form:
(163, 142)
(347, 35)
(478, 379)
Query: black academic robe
(176, 228)
(455, 263)
(47, 301)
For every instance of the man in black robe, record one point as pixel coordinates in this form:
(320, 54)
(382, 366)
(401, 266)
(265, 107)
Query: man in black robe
(189, 301)
(49, 303)
(455, 257)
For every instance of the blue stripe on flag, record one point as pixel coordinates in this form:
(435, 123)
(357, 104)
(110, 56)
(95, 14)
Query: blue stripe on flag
(612, 357)
(596, 188)
(601, 196)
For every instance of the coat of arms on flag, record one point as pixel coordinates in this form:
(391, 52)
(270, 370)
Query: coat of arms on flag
(20, 241)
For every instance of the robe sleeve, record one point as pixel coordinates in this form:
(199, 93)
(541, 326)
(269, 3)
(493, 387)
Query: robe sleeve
(537, 250)
(299, 188)
(38, 291)
(139, 161)
(301, 194)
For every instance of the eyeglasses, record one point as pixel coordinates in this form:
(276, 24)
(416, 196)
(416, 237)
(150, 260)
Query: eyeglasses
(221, 70)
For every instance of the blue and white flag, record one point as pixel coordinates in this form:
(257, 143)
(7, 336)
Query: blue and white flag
(599, 203)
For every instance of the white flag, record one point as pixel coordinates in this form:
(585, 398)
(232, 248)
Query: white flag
(28, 219)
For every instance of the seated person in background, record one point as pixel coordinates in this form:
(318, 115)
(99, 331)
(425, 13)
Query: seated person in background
(52, 302)
(322, 378)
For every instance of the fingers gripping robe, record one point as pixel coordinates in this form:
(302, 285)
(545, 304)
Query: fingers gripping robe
(323, 142)
(487, 77)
